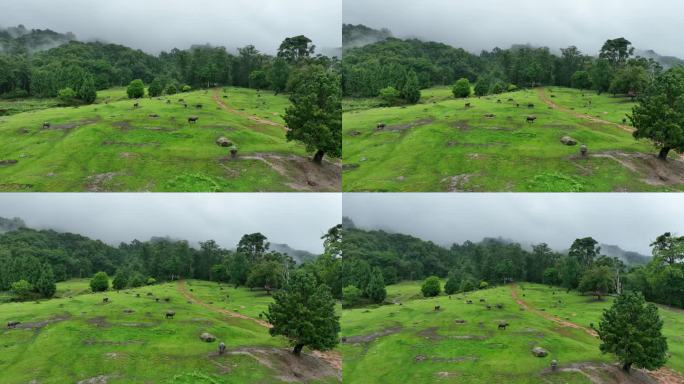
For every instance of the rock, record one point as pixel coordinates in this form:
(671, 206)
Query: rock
(567, 140)
(223, 142)
(207, 337)
(349, 166)
(539, 352)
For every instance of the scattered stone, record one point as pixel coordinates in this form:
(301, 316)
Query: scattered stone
(207, 337)
(223, 142)
(567, 140)
(539, 352)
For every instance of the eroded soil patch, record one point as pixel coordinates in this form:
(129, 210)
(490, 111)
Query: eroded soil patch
(407, 126)
(651, 170)
(304, 174)
(372, 336)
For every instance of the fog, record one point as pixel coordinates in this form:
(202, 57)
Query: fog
(630, 221)
(297, 219)
(485, 24)
(156, 25)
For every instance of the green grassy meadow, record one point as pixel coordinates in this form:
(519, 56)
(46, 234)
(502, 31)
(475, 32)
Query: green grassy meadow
(112, 146)
(440, 145)
(78, 337)
(412, 343)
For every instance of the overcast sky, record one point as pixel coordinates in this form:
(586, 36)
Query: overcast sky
(631, 220)
(485, 24)
(155, 25)
(297, 219)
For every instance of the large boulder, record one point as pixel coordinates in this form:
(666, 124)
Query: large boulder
(207, 337)
(223, 142)
(567, 140)
(539, 352)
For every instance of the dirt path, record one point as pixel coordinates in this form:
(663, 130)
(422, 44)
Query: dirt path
(662, 375)
(547, 100)
(224, 106)
(331, 357)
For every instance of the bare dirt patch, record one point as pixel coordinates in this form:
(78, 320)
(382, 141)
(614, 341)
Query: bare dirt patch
(102, 379)
(8, 162)
(288, 367)
(123, 125)
(304, 174)
(44, 323)
(111, 342)
(651, 170)
(461, 125)
(601, 373)
(127, 144)
(72, 125)
(407, 126)
(372, 336)
(457, 183)
(99, 182)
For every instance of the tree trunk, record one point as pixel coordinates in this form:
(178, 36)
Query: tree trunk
(627, 367)
(298, 349)
(318, 157)
(663, 153)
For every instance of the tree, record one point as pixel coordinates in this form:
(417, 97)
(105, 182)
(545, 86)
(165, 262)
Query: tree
(601, 75)
(296, 48)
(581, 80)
(461, 88)
(304, 312)
(238, 269)
(258, 79)
(67, 96)
(410, 91)
(156, 88)
(172, 89)
(631, 329)
(137, 280)
(598, 279)
(315, 116)
(254, 246)
(431, 286)
(453, 284)
(46, 282)
(86, 91)
(278, 75)
(267, 275)
(99, 282)
(468, 284)
(375, 290)
(482, 86)
(136, 89)
(630, 80)
(151, 281)
(659, 114)
(584, 250)
(22, 289)
(390, 96)
(616, 51)
(351, 296)
(120, 280)
(668, 249)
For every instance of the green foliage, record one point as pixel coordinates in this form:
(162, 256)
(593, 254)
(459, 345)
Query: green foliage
(67, 96)
(151, 281)
(45, 285)
(22, 289)
(410, 91)
(431, 287)
(266, 274)
(136, 89)
(137, 280)
(315, 116)
(452, 285)
(390, 96)
(484, 285)
(351, 296)
(186, 88)
(295, 49)
(171, 89)
(598, 280)
(156, 88)
(468, 284)
(86, 91)
(120, 280)
(375, 290)
(258, 79)
(631, 329)
(304, 312)
(279, 75)
(659, 115)
(482, 86)
(461, 88)
(584, 250)
(581, 80)
(238, 267)
(99, 282)
(631, 80)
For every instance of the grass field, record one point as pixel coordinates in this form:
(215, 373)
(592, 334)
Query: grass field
(410, 342)
(112, 146)
(440, 145)
(78, 337)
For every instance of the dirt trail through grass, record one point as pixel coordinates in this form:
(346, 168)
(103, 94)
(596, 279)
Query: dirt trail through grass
(224, 106)
(662, 375)
(334, 359)
(545, 98)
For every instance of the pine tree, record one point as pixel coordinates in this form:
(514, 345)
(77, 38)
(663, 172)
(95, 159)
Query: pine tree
(86, 91)
(411, 89)
(376, 287)
(46, 282)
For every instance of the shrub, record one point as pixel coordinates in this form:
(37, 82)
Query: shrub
(461, 88)
(99, 282)
(22, 289)
(351, 296)
(136, 89)
(431, 287)
(151, 281)
(156, 88)
(171, 89)
(67, 96)
(484, 284)
(186, 88)
(120, 281)
(389, 96)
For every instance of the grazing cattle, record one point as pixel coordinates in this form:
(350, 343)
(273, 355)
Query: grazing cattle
(156, 299)
(193, 119)
(380, 126)
(511, 99)
(499, 306)
(170, 314)
(467, 105)
(181, 100)
(583, 151)
(554, 365)
(233, 152)
(489, 306)
(437, 307)
(222, 348)
(530, 105)
(517, 105)
(624, 120)
(136, 105)
(149, 293)
(137, 295)
(46, 125)
(13, 324)
(489, 115)
(482, 300)
(469, 302)
(167, 299)
(105, 300)
(198, 106)
(185, 105)
(530, 119)
(498, 101)
(503, 325)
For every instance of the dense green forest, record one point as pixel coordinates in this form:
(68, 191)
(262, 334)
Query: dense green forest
(473, 265)
(393, 62)
(28, 68)
(35, 255)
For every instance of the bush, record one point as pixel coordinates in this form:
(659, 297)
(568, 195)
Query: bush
(186, 88)
(171, 89)
(351, 296)
(452, 284)
(499, 87)
(137, 281)
(484, 284)
(120, 281)
(461, 88)
(136, 89)
(99, 282)
(411, 89)
(467, 285)
(482, 86)
(22, 289)
(156, 88)
(431, 287)
(151, 281)
(389, 96)
(67, 96)
(86, 91)
(512, 88)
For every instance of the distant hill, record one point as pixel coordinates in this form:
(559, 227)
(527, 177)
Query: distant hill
(19, 39)
(665, 61)
(299, 256)
(8, 225)
(360, 35)
(628, 257)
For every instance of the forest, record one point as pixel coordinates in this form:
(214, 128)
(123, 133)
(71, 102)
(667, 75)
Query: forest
(393, 63)
(474, 265)
(29, 68)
